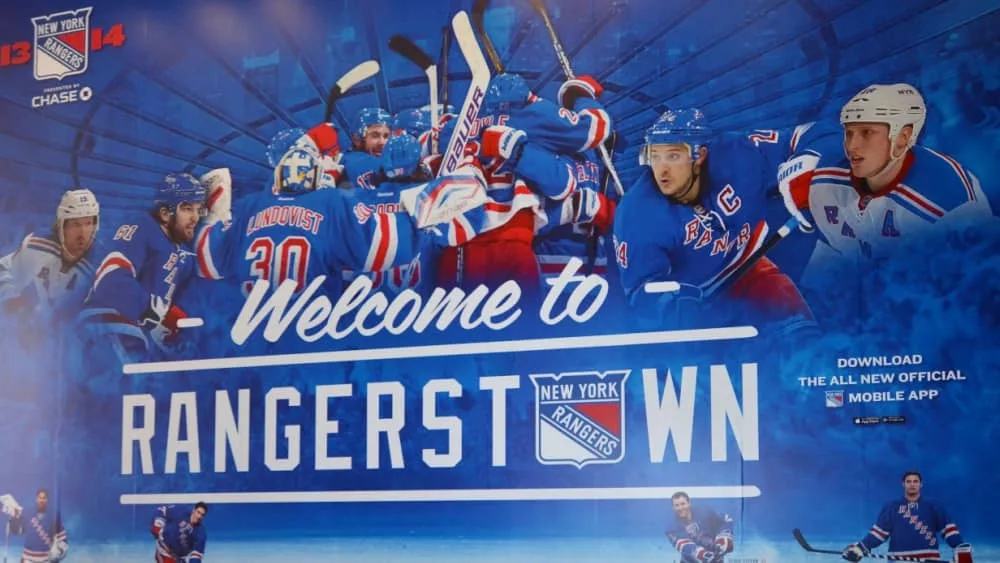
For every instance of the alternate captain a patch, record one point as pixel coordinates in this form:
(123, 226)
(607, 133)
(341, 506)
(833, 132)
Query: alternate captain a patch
(580, 417)
(62, 44)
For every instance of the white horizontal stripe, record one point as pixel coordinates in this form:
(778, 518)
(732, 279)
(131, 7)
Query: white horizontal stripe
(442, 350)
(442, 495)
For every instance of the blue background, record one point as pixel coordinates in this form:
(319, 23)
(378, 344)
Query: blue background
(199, 85)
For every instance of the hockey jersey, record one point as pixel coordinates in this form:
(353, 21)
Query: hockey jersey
(700, 245)
(932, 190)
(360, 170)
(912, 529)
(317, 233)
(44, 535)
(35, 276)
(178, 538)
(142, 264)
(695, 539)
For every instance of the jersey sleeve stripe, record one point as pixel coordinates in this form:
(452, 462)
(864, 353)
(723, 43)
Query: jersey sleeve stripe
(206, 264)
(958, 171)
(918, 199)
(114, 261)
(879, 533)
(600, 128)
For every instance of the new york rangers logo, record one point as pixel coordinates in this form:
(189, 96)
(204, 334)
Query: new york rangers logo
(62, 44)
(580, 417)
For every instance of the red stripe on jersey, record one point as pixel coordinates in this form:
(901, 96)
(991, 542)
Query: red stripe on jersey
(383, 240)
(923, 202)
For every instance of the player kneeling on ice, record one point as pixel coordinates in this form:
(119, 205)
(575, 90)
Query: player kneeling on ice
(300, 233)
(180, 533)
(45, 539)
(696, 214)
(700, 534)
(912, 525)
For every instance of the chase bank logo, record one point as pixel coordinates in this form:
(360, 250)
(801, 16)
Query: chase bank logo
(580, 417)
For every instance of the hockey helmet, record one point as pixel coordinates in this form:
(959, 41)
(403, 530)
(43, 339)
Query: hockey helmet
(681, 126)
(296, 173)
(414, 122)
(896, 105)
(77, 204)
(368, 117)
(176, 189)
(280, 143)
(401, 156)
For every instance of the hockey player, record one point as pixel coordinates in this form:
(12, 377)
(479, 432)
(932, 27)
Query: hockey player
(303, 233)
(149, 263)
(361, 166)
(868, 188)
(180, 533)
(696, 214)
(912, 524)
(521, 138)
(51, 272)
(45, 539)
(701, 535)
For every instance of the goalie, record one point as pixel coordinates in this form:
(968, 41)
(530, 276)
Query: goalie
(44, 536)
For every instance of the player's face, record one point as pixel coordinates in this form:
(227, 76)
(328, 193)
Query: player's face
(185, 220)
(682, 508)
(672, 169)
(197, 515)
(912, 485)
(78, 234)
(867, 147)
(41, 501)
(376, 136)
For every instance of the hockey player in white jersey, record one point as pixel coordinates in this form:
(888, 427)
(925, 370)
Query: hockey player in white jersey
(868, 188)
(51, 271)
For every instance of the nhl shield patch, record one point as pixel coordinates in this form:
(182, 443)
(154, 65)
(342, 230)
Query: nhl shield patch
(62, 44)
(580, 417)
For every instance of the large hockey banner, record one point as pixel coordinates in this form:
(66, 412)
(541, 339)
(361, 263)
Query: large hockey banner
(497, 281)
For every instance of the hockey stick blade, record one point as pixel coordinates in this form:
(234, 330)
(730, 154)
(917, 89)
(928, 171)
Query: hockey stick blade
(479, 22)
(805, 545)
(478, 83)
(409, 49)
(351, 78)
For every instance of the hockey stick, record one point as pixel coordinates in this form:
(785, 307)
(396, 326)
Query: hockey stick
(478, 16)
(361, 72)
(805, 545)
(417, 56)
(478, 83)
(443, 66)
(568, 71)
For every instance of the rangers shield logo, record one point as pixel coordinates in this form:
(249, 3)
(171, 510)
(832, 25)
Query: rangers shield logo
(62, 44)
(580, 417)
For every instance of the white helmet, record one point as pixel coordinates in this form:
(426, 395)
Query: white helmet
(76, 204)
(896, 105)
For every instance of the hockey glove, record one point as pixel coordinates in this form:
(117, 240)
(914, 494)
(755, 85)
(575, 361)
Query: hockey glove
(962, 554)
(574, 88)
(594, 208)
(161, 321)
(504, 142)
(58, 551)
(794, 178)
(218, 184)
(854, 552)
(10, 506)
(723, 544)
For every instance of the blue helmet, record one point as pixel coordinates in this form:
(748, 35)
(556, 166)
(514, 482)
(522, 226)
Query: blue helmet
(371, 116)
(296, 173)
(176, 189)
(681, 126)
(412, 121)
(401, 156)
(506, 91)
(281, 142)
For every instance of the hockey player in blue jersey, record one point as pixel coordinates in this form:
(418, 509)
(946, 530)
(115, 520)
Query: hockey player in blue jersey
(700, 534)
(303, 233)
(147, 266)
(912, 525)
(361, 165)
(45, 538)
(51, 271)
(696, 214)
(180, 533)
(867, 188)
